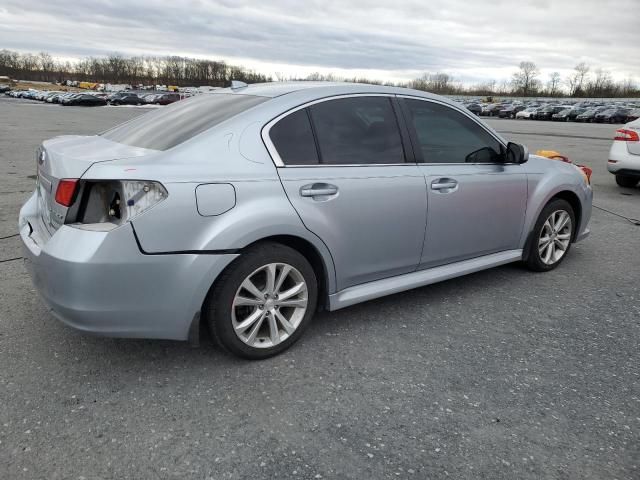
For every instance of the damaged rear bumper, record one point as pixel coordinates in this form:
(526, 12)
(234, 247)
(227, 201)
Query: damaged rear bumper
(101, 283)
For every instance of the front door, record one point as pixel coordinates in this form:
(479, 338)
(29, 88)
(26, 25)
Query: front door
(477, 201)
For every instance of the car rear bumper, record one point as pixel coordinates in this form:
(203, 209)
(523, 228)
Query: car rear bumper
(622, 161)
(101, 283)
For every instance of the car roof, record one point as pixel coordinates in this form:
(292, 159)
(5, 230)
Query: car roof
(314, 90)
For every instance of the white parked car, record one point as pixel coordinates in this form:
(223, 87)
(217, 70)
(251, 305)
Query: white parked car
(624, 156)
(526, 113)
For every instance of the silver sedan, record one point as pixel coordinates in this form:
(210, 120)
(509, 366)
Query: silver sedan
(248, 209)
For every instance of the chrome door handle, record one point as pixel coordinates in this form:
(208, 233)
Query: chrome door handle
(444, 184)
(318, 189)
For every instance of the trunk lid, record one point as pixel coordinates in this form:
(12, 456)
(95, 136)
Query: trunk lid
(70, 157)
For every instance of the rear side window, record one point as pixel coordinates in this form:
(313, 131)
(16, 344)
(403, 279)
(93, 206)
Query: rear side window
(357, 131)
(170, 126)
(445, 135)
(293, 138)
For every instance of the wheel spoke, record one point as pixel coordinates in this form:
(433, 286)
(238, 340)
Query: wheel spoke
(256, 328)
(245, 301)
(252, 289)
(544, 240)
(561, 245)
(549, 254)
(284, 273)
(285, 323)
(250, 320)
(273, 330)
(271, 277)
(296, 302)
(562, 221)
(564, 236)
(295, 290)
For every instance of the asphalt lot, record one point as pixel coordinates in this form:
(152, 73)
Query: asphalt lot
(504, 374)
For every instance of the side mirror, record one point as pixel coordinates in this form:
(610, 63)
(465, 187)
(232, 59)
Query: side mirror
(516, 153)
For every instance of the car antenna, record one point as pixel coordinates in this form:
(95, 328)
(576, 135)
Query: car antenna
(236, 84)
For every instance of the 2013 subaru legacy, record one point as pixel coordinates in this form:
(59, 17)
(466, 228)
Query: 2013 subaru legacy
(250, 208)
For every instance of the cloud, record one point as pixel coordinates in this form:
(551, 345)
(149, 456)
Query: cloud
(473, 41)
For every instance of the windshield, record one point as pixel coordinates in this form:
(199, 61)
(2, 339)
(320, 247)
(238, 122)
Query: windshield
(170, 126)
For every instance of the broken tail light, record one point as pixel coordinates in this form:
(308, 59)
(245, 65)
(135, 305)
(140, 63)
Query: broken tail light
(106, 204)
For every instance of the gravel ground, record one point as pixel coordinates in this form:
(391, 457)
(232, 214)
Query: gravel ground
(503, 374)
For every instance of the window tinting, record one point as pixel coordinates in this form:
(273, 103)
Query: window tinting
(169, 126)
(447, 136)
(293, 138)
(357, 131)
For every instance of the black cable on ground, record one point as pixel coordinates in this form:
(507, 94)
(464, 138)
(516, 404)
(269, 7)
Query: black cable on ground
(9, 236)
(634, 221)
(10, 259)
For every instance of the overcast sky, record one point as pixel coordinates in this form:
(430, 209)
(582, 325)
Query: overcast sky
(474, 40)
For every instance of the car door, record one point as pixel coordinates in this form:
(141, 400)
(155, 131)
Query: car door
(342, 164)
(477, 201)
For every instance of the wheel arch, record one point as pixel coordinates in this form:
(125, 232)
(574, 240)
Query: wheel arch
(572, 199)
(564, 194)
(322, 266)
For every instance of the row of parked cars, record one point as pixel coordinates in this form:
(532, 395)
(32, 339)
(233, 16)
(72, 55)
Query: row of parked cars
(91, 99)
(580, 112)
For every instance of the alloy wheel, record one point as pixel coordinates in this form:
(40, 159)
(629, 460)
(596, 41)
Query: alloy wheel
(269, 305)
(555, 237)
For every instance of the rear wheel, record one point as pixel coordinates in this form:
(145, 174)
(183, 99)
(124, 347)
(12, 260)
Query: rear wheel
(262, 303)
(627, 181)
(551, 237)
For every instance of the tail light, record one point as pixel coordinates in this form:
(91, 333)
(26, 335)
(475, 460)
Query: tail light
(625, 135)
(66, 191)
(107, 204)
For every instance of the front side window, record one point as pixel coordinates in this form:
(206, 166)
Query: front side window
(445, 135)
(357, 131)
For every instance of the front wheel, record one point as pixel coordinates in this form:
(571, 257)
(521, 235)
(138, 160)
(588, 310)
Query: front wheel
(627, 181)
(551, 236)
(262, 303)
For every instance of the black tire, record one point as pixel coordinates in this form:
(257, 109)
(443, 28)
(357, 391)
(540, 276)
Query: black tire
(217, 309)
(627, 181)
(533, 260)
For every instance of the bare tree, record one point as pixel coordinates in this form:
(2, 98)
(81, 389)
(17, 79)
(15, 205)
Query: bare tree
(601, 85)
(576, 81)
(553, 85)
(524, 80)
(47, 66)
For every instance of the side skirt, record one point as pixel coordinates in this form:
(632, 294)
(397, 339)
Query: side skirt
(387, 286)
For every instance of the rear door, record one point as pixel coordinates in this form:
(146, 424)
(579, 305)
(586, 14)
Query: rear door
(342, 165)
(477, 202)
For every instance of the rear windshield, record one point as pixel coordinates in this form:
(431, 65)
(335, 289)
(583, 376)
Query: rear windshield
(170, 126)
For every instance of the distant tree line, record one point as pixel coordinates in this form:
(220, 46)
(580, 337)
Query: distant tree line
(119, 69)
(525, 82)
(583, 81)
